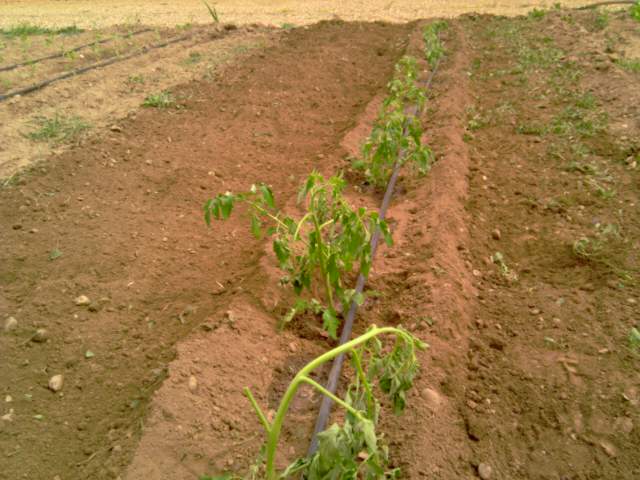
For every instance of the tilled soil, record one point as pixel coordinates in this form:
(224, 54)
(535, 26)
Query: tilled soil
(516, 259)
(99, 98)
(124, 211)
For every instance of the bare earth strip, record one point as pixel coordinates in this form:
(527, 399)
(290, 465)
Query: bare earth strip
(275, 12)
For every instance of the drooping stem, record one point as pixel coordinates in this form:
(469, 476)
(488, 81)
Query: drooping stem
(302, 377)
(323, 269)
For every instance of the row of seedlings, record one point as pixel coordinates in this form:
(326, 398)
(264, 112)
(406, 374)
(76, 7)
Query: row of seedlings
(316, 252)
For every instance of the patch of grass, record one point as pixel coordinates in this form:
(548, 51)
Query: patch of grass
(58, 128)
(634, 11)
(584, 168)
(159, 100)
(193, 58)
(28, 29)
(135, 79)
(606, 247)
(601, 20)
(287, 26)
(536, 14)
(600, 190)
(631, 65)
(531, 129)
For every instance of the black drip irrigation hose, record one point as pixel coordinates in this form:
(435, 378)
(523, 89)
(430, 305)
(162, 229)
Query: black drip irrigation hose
(93, 66)
(332, 382)
(603, 4)
(57, 55)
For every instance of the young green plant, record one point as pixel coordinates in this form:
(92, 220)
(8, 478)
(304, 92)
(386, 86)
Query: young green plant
(353, 449)
(397, 135)
(315, 251)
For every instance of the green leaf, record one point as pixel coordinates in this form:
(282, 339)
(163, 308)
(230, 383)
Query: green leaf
(330, 322)
(281, 250)
(267, 196)
(369, 431)
(256, 230)
(55, 253)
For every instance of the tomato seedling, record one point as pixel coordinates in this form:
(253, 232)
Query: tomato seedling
(354, 449)
(316, 251)
(433, 48)
(396, 135)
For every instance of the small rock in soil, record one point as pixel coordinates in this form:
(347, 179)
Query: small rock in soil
(608, 448)
(485, 471)
(8, 417)
(56, 382)
(496, 234)
(40, 336)
(193, 384)
(432, 398)
(82, 301)
(10, 324)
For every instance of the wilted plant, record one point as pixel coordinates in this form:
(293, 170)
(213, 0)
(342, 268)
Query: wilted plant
(354, 449)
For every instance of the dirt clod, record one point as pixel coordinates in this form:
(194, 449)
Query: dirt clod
(82, 301)
(10, 324)
(485, 471)
(41, 336)
(56, 382)
(193, 384)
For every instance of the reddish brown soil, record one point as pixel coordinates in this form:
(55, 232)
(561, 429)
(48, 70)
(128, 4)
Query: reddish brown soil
(124, 210)
(529, 378)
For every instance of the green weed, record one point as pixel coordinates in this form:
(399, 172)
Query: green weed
(287, 26)
(27, 30)
(213, 12)
(605, 247)
(159, 100)
(634, 11)
(193, 58)
(630, 65)
(601, 20)
(58, 128)
(135, 79)
(506, 273)
(536, 14)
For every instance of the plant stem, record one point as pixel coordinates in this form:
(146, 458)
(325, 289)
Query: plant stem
(323, 269)
(256, 407)
(333, 397)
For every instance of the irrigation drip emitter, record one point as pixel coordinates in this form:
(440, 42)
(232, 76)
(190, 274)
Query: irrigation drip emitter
(332, 382)
(75, 49)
